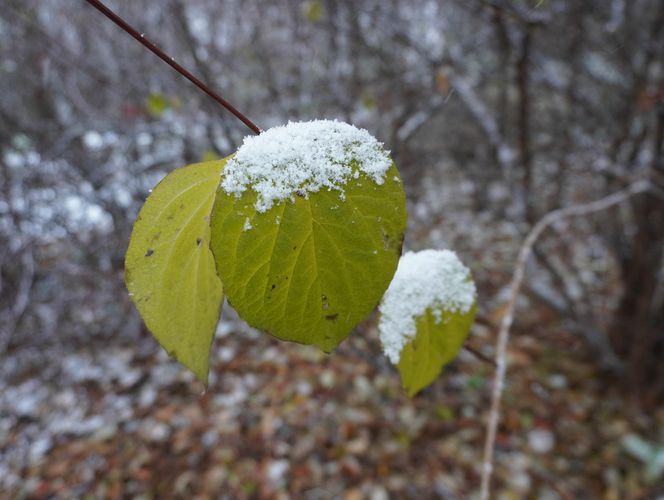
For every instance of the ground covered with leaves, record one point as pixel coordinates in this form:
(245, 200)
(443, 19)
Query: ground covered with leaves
(280, 421)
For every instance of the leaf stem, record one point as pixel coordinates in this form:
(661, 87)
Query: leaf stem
(140, 37)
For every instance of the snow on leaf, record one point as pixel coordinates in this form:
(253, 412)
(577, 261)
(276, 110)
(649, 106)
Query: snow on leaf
(426, 314)
(302, 158)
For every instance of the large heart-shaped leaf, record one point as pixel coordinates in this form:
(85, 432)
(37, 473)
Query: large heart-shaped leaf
(169, 268)
(309, 269)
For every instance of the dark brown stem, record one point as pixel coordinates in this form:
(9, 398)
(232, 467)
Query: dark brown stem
(171, 62)
(479, 355)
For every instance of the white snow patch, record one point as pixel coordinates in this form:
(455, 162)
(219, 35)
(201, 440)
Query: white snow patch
(430, 279)
(276, 471)
(302, 158)
(14, 159)
(541, 441)
(93, 140)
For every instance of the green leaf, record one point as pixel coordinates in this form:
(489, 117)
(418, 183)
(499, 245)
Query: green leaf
(156, 104)
(312, 11)
(169, 268)
(436, 343)
(310, 269)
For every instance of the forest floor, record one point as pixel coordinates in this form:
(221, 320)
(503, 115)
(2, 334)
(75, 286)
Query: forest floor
(113, 419)
(285, 421)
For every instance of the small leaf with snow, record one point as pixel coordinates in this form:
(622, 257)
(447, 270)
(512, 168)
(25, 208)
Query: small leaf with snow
(426, 315)
(307, 230)
(169, 268)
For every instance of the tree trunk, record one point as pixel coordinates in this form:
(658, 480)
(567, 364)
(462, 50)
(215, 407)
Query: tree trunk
(637, 333)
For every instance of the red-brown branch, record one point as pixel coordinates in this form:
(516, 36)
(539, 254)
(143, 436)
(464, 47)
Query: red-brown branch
(140, 37)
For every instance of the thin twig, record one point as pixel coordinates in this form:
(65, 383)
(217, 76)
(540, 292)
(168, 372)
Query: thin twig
(515, 287)
(172, 63)
(479, 355)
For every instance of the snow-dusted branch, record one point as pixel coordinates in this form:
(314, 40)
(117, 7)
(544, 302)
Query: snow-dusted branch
(421, 117)
(515, 287)
(484, 119)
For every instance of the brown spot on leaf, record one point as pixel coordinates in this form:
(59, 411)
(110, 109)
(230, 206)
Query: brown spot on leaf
(332, 317)
(386, 240)
(198, 242)
(149, 252)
